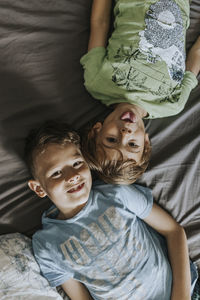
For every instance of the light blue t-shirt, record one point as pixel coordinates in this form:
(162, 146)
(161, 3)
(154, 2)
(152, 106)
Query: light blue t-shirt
(107, 246)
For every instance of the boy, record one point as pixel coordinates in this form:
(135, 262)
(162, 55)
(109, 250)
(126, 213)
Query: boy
(101, 243)
(143, 69)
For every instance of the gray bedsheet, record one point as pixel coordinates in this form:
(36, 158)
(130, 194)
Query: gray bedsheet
(41, 43)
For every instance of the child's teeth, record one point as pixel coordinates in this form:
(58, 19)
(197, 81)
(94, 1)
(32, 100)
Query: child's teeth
(75, 189)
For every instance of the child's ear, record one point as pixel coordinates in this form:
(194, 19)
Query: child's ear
(146, 139)
(95, 129)
(35, 186)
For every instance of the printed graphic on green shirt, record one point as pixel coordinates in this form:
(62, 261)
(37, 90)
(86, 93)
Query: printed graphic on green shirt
(127, 76)
(163, 37)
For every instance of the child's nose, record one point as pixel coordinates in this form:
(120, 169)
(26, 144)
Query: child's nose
(125, 130)
(73, 179)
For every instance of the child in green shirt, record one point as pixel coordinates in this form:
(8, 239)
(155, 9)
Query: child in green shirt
(142, 71)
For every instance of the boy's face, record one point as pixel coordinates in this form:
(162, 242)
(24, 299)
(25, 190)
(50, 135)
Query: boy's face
(63, 175)
(122, 130)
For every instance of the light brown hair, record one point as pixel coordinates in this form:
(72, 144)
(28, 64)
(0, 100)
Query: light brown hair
(114, 171)
(50, 132)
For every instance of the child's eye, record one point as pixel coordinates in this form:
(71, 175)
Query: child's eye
(56, 174)
(111, 140)
(78, 163)
(132, 145)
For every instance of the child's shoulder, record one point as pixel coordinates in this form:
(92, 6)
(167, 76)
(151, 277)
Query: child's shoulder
(107, 189)
(119, 189)
(49, 219)
(101, 185)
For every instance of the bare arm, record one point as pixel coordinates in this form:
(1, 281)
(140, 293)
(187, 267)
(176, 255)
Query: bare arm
(177, 251)
(193, 58)
(99, 23)
(76, 290)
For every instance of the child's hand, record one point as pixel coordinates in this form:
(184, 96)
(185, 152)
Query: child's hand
(193, 58)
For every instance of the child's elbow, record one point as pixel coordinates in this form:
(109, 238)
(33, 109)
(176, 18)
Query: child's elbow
(175, 229)
(178, 230)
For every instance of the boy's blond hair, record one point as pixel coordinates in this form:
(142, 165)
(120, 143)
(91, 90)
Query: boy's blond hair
(114, 171)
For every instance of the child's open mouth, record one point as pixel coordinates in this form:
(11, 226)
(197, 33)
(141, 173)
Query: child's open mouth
(77, 188)
(128, 117)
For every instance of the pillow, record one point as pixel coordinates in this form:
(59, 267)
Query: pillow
(20, 277)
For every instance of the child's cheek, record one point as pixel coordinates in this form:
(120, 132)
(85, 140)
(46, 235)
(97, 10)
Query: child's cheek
(56, 185)
(84, 168)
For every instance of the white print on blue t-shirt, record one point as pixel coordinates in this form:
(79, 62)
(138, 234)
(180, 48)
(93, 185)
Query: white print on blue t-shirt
(103, 239)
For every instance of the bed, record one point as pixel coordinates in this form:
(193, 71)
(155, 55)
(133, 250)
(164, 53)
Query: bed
(41, 43)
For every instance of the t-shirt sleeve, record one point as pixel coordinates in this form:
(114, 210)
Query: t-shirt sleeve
(176, 102)
(92, 63)
(137, 199)
(49, 267)
(189, 82)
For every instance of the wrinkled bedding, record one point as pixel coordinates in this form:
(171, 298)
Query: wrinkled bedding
(41, 43)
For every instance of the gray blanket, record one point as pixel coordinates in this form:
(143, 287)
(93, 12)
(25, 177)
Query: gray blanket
(41, 43)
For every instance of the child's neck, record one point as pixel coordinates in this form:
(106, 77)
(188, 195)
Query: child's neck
(68, 214)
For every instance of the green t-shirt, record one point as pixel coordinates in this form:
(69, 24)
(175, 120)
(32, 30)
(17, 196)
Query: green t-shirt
(144, 62)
